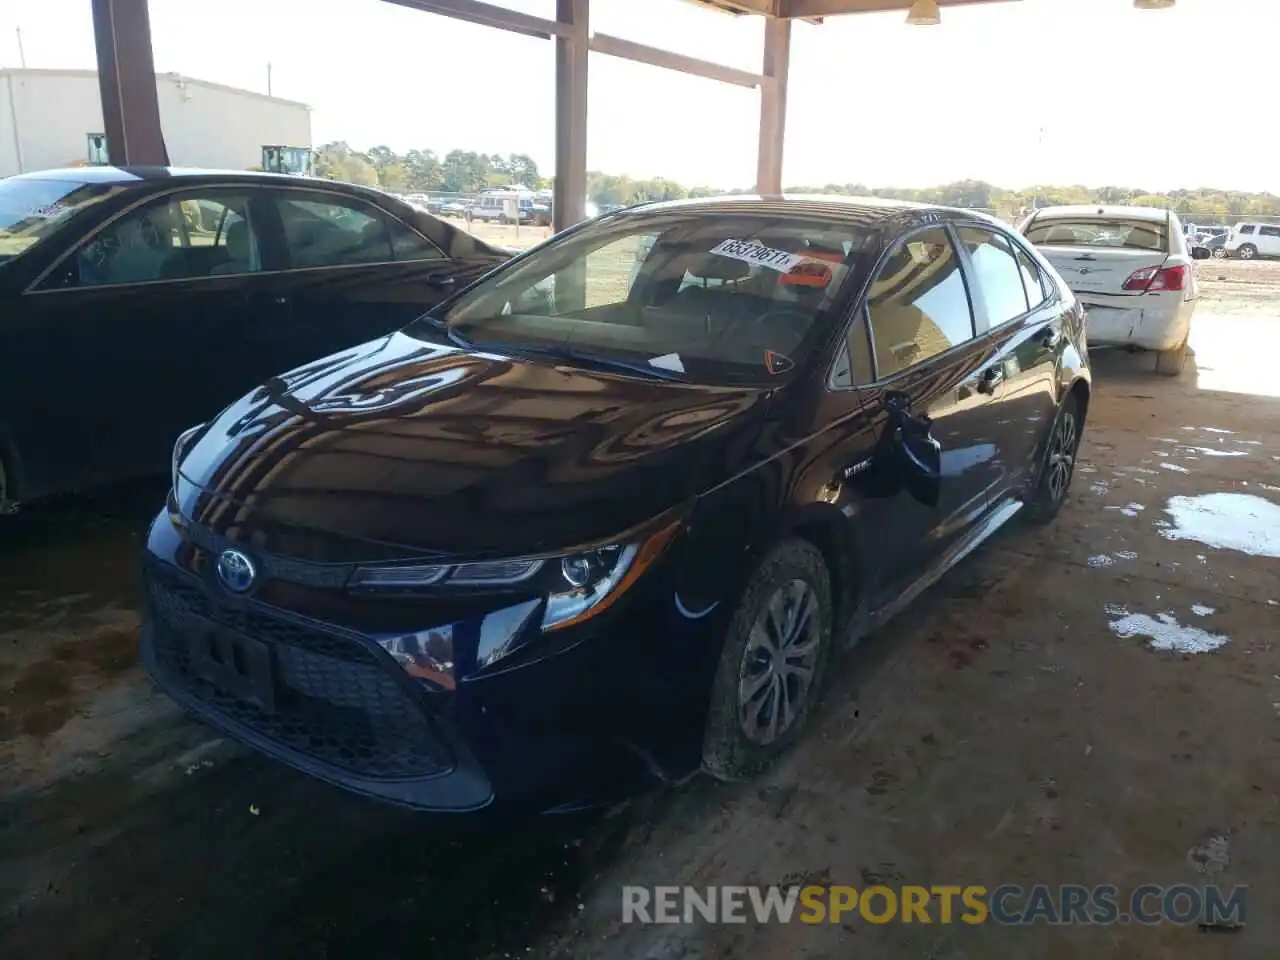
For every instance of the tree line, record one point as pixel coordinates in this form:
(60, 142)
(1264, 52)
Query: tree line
(466, 171)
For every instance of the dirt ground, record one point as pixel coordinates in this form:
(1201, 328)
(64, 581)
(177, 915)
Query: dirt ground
(1004, 730)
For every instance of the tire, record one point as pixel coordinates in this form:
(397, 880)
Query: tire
(1169, 363)
(1247, 252)
(757, 681)
(1220, 253)
(1060, 454)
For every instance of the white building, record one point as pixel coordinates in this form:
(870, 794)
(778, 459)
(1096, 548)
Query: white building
(48, 118)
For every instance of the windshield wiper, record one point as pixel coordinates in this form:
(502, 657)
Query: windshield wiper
(584, 358)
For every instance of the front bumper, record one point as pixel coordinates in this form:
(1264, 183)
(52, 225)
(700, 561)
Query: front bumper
(612, 711)
(344, 717)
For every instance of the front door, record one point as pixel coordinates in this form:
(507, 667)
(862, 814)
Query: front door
(142, 326)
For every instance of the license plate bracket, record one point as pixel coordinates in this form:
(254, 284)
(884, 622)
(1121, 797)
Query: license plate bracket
(236, 664)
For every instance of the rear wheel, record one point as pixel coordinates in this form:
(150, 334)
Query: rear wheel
(1169, 363)
(1059, 464)
(1247, 252)
(771, 665)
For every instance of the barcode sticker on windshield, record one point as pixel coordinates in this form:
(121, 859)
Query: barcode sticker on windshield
(758, 253)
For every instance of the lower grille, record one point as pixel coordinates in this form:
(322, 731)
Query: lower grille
(334, 700)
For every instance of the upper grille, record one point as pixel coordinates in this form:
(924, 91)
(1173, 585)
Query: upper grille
(335, 701)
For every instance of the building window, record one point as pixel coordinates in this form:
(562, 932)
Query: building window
(97, 149)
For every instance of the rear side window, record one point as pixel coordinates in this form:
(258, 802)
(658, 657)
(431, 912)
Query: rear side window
(1033, 281)
(999, 277)
(409, 245)
(331, 232)
(1247, 228)
(918, 305)
(1133, 234)
(1270, 231)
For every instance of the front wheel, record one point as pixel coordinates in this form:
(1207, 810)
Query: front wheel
(1059, 464)
(772, 662)
(1247, 252)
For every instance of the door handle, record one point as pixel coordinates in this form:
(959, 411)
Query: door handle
(991, 378)
(441, 279)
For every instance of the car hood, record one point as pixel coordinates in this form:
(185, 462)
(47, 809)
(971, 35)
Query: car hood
(402, 447)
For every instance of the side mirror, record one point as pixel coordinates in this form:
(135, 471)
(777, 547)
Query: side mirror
(1200, 253)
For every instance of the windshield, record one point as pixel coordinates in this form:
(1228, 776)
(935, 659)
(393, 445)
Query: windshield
(707, 297)
(31, 210)
(1132, 234)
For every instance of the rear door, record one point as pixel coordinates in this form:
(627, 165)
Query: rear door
(354, 272)
(1022, 327)
(917, 328)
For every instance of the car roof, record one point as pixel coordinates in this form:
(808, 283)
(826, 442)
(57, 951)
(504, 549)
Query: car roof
(1103, 210)
(143, 175)
(871, 211)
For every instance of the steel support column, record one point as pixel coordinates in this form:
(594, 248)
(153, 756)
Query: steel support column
(773, 105)
(571, 114)
(127, 80)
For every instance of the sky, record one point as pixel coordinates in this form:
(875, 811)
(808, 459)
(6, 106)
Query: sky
(1015, 93)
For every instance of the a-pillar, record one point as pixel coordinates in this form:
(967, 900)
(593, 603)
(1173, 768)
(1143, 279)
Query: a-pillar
(127, 81)
(773, 105)
(571, 114)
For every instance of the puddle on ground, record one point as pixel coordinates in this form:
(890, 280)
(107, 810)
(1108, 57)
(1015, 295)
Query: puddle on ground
(1163, 632)
(1174, 466)
(1215, 452)
(1200, 610)
(1101, 560)
(1226, 521)
(1126, 555)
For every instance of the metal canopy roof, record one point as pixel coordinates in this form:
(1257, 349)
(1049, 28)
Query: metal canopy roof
(816, 9)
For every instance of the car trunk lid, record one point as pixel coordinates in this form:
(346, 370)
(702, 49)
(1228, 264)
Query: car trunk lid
(1088, 269)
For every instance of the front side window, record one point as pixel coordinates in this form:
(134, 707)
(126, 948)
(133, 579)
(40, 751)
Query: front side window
(725, 298)
(999, 277)
(177, 237)
(918, 305)
(32, 210)
(334, 232)
(1129, 233)
(1247, 228)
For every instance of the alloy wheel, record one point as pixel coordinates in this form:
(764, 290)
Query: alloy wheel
(779, 663)
(1062, 456)
(1246, 253)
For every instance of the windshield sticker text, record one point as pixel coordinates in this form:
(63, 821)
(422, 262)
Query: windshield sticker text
(758, 253)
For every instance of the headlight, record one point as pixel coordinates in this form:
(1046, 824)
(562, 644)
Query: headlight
(180, 447)
(576, 585)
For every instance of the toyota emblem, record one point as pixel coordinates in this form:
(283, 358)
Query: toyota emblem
(236, 571)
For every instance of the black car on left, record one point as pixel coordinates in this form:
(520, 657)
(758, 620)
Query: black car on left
(135, 301)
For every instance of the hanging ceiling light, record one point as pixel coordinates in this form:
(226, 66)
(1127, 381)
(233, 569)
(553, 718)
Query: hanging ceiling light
(1154, 4)
(924, 13)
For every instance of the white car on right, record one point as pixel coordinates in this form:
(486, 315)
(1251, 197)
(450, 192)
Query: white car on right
(1248, 241)
(1132, 270)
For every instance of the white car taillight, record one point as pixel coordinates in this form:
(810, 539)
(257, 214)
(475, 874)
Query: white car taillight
(1150, 279)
